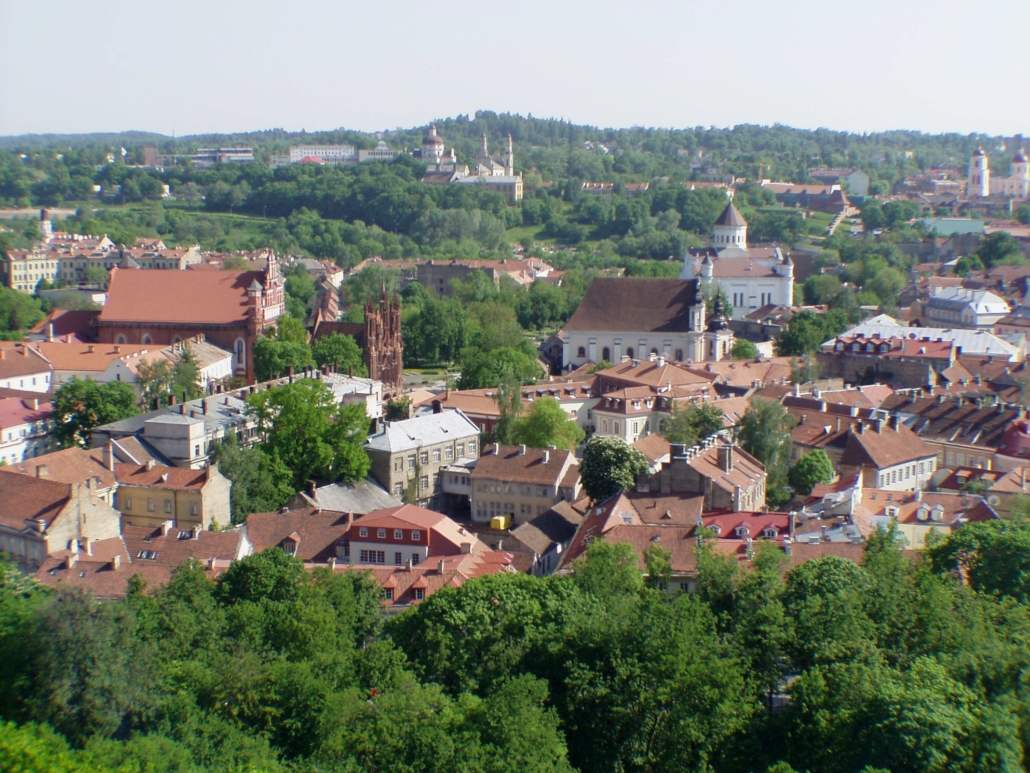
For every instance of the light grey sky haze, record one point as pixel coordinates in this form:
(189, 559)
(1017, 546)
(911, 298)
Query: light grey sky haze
(235, 65)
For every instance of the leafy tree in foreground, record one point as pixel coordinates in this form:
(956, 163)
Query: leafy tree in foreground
(81, 405)
(341, 351)
(692, 423)
(311, 434)
(609, 466)
(812, 468)
(261, 483)
(483, 369)
(547, 424)
(743, 349)
(764, 432)
(273, 357)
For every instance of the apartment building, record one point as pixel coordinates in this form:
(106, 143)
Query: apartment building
(522, 482)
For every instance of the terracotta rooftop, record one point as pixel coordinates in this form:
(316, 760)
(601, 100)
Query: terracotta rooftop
(508, 464)
(77, 323)
(171, 478)
(29, 498)
(18, 360)
(885, 447)
(69, 465)
(213, 297)
(319, 532)
(16, 411)
(557, 525)
(173, 547)
(87, 357)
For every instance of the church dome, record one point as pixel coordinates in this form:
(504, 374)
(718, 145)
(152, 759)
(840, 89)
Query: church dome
(1020, 157)
(432, 138)
(979, 152)
(718, 321)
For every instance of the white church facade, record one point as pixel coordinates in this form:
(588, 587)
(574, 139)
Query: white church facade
(750, 277)
(982, 184)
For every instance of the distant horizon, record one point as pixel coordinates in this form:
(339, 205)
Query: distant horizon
(471, 116)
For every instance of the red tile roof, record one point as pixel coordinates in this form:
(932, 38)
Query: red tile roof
(527, 467)
(171, 478)
(213, 297)
(69, 465)
(319, 532)
(24, 497)
(636, 305)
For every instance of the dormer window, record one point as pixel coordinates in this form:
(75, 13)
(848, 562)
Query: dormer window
(839, 347)
(380, 533)
(362, 532)
(398, 534)
(416, 535)
(742, 531)
(770, 532)
(856, 347)
(870, 348)
(884, 347)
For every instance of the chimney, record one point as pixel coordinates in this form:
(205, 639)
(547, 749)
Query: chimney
(203, 407)
(165, 526)
(35, 403)
(117, 349)
(50, 331)
(150, 464)
(441, 566)
(437, 406)
(171, 400)
(497, 449)
(893, 422)
(546, 457)
(350, 520)
(725, 458)
(41, 471)
(661, 360)
(108, 455)
(116, 562)
(860, 428)
(522, 449)
(466, 548)
(332, 563)
(89, 349)
(879, 425)
(70, 560)
(309, 489)
(788, 548)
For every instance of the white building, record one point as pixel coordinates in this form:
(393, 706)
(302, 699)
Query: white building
(750, 278)
(977, 343)
(330, 154)
(981, 183)
(24, 429)
(379, 153)
(959, 307)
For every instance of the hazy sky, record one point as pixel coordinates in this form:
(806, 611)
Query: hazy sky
(234, 65)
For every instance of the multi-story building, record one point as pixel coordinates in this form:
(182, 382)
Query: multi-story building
(93, 468)
(25, 427)
(409, 457)
(888, 455)
(24, 368)
(962, 308)
(980, 183)
(328, 154)
(522, 482)
(726, 476)
(379, 153)
(149, 495)
(39, 516)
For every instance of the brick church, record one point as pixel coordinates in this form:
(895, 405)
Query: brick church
(379, 337)
(233, 309)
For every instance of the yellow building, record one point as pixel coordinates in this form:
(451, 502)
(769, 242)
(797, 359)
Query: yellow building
(149, 495)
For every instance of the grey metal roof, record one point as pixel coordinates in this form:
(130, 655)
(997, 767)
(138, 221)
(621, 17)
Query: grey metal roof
(361, 498)
(423, 431)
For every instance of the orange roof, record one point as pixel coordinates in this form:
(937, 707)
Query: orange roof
(173, 478)
(85, 357)
(213, 297)
(69, 465)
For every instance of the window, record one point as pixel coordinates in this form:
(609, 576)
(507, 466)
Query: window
(148, 555)
(289, 547)
(150, 505)
(127, 504)
(414, 559)
(380, 533)
(419, 594)
(416, 535)
(424, 482)
(398, 559)
(373, 557)
(629, 352)
(581, 352)
(388, 594)
(168, 505)
(398, 464)
(461, 450)
(362, 532)
(448, 453)
(436, 455)
(423, 457)
(398, 534)
(398, 489)
(472, 447)
(411, 461)
(606, 354)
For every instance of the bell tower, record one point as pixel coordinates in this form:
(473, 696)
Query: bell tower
(979, 175)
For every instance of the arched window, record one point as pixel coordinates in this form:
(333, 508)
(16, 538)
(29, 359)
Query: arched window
(654, 351)
(241, 353)
(629, 352)
(581, 352)
(120, 339)
(146, 339)
(176, 339)
(679, 355)
(606, 354)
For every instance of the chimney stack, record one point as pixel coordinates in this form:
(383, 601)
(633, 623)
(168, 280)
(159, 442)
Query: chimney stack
(441, 566)
(108, 455)
(522, 449)
(725, 458)
(893, 422)
(116, 562)
(546, 457)
(41, 471)
(310, 489)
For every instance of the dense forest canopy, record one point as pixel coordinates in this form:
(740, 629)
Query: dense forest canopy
(898, 663)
